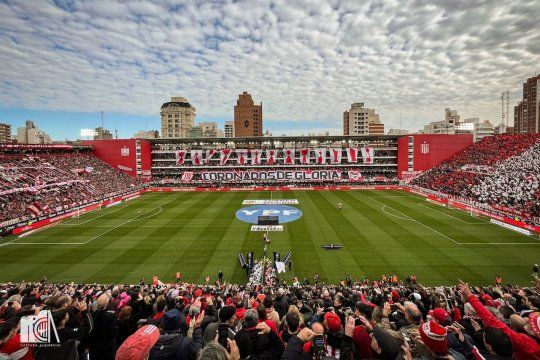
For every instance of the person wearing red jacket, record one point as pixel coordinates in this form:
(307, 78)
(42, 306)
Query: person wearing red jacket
(525, 347)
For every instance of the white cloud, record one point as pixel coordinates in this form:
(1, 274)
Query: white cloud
(305, 60)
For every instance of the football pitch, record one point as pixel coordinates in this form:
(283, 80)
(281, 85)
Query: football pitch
(198, 234)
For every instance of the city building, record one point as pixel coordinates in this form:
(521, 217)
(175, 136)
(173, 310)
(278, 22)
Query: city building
(5, 133)
(30, 134)
(446, 126)
(209, 129)
(398, 132)
(229, 129)
(527, 111)
(247, 117)
(196, 132)
(146, 134)
(361, 121)
(452, 124)
(177, 118)
(101, 133)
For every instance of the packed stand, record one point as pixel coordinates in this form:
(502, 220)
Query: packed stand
(499, 170)
(32, 185)
(352, 320)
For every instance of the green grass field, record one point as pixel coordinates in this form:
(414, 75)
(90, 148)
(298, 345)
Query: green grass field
(198, 234)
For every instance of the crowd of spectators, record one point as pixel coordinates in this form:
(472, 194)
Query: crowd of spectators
(32, 185)
(500, 170)
(353, 320)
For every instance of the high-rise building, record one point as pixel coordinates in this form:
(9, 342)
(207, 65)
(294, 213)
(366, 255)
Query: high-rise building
(5, 133)
(146, 134)
(527, 111)
(30, 134)
(177, 118)
(247, 117)
(196, 132)
(359, 120)
(229, 129)
(101, 133)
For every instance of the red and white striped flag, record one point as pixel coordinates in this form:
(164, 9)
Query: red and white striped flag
(209, 154)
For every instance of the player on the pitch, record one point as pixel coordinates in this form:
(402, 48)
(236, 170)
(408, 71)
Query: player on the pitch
(340, 206)
(139, 213)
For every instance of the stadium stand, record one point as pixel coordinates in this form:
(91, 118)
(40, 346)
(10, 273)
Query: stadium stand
(498, 171)
(360, 320)
(36, 184)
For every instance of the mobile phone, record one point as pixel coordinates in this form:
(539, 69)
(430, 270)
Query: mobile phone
(223, 334)
(319, 350)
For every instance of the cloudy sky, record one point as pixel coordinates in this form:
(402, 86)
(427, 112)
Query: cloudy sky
(63, 61)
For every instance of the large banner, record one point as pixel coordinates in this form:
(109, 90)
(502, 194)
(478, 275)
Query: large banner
(273, 175)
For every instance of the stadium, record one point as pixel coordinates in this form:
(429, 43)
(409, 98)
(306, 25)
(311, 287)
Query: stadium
(356, 211)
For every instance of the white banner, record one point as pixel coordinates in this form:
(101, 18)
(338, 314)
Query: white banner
(266, 228)
(196, 157)
(280, 267)
(271, 202)
(209, 154)
(320, 156)
(242, 156)
(335, 156)
(510, 227)
(224, 156)
(305, 156)
(271, 156)
(288, 156)
(180, 157)
(355, 175)
(255, 157)
(367, 155)
(275, 175)
(352, 155)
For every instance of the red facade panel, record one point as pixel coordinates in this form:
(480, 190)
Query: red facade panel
(429, 150)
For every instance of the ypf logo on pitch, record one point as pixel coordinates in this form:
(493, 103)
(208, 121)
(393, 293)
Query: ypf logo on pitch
(285, 213)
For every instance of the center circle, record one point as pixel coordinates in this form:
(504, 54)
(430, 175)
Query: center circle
(284, 213)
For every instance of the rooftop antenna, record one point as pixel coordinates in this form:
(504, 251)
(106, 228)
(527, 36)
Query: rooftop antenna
(101, 114)
(400, 121)
(115, 132)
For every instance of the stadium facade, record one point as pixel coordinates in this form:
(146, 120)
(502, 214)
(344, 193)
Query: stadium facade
(323, 160)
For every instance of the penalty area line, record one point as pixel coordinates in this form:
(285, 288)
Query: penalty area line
(419, 222)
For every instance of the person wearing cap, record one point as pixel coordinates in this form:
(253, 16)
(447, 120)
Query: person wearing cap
(171, 344)
(138, 345)
(526, 346)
